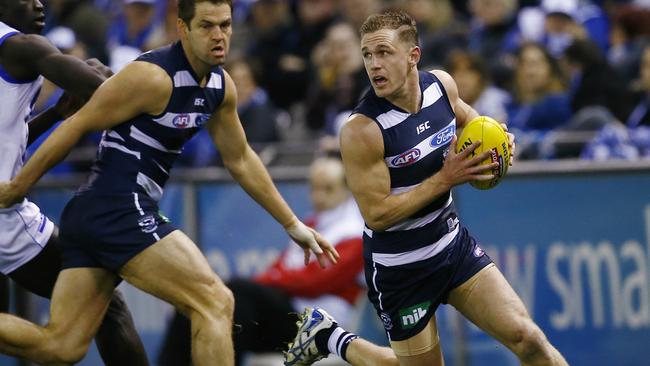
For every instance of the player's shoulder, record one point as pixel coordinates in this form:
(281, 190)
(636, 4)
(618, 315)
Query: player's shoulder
(360, 128)
(146, 72)
(21, 42)
(444, 78)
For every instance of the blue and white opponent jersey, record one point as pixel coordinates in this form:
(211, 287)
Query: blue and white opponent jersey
(18, 97)
(137, 155)
(24, 230)
(415, 146)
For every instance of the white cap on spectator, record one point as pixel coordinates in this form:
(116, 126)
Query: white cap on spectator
(121, 55)
(62, 37)
(566, 7)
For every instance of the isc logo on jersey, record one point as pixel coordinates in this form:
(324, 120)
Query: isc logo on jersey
(443, 136)
(182, 120)
(406, 158)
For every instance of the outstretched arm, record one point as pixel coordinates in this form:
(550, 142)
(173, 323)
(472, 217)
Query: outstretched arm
(249, 171)
(25, 56)
(139, 88)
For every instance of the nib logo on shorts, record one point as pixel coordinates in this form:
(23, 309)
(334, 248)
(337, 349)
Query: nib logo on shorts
(411, 316)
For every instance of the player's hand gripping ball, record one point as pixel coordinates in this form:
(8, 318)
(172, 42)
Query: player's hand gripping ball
(494, 139)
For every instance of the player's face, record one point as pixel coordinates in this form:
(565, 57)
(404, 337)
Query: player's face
(25, 15)
(210, 31)
(387, 61)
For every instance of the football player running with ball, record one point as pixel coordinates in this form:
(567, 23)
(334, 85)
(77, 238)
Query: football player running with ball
(399, 152)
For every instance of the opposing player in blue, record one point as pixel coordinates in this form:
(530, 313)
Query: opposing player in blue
(399, 152)
(111, 229)
(29, 241)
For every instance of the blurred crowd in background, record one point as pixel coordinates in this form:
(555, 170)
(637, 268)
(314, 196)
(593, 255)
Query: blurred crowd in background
(570, 77)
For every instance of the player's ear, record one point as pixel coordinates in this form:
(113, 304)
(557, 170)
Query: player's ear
(414, 56)
(181, 27)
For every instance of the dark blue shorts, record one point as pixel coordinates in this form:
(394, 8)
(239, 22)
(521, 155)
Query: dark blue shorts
(406, 296)
(107, 230)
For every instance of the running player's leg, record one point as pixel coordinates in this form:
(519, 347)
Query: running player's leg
(174, 270)
(319, 335)
(79, 301)
(488, 301)
(421, 349)
(363, 353)
(117, 340)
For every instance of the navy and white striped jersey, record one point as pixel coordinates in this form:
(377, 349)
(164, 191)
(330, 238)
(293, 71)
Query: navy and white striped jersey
(415, 146)
(137, 155)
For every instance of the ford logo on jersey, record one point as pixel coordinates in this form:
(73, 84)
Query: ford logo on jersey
(406, 158)
(182, 120)
(201, 119)
(443, 136)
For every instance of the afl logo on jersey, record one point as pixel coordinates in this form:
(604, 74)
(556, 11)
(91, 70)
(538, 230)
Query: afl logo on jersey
(406, 158)
(182, 120)
(443, 136)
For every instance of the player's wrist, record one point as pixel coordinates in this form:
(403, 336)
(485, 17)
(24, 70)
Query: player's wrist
(290, 224)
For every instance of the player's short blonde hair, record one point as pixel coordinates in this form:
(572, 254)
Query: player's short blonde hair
(398, 20)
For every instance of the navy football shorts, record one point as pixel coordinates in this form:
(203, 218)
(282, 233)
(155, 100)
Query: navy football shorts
(107, 230)
(407, 296)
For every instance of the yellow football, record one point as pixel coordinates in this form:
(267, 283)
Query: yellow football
(494, 139)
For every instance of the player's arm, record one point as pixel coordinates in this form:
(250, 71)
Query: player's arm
(464, 112)
(28, 55)
(248, 170)
(64, 108)
(139, 88)
(367, 175)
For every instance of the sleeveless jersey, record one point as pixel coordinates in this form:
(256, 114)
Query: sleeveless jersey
(415, 146)
(16, 103)
(136, 156)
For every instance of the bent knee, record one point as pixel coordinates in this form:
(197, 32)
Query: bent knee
(388, 359)
(212, 299)
(529, 343)
(65, 351)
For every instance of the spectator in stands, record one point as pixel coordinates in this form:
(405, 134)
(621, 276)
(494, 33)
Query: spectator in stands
(440, 29)
(540, 101)
(354, 12)
(135, 25)
(494, 35)
(339, 78)
(569, 20)
(131, 32)
(267, 305)
(283, 53)
(475, 87)
(594, 82)
(88, 23)
(629, 32)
